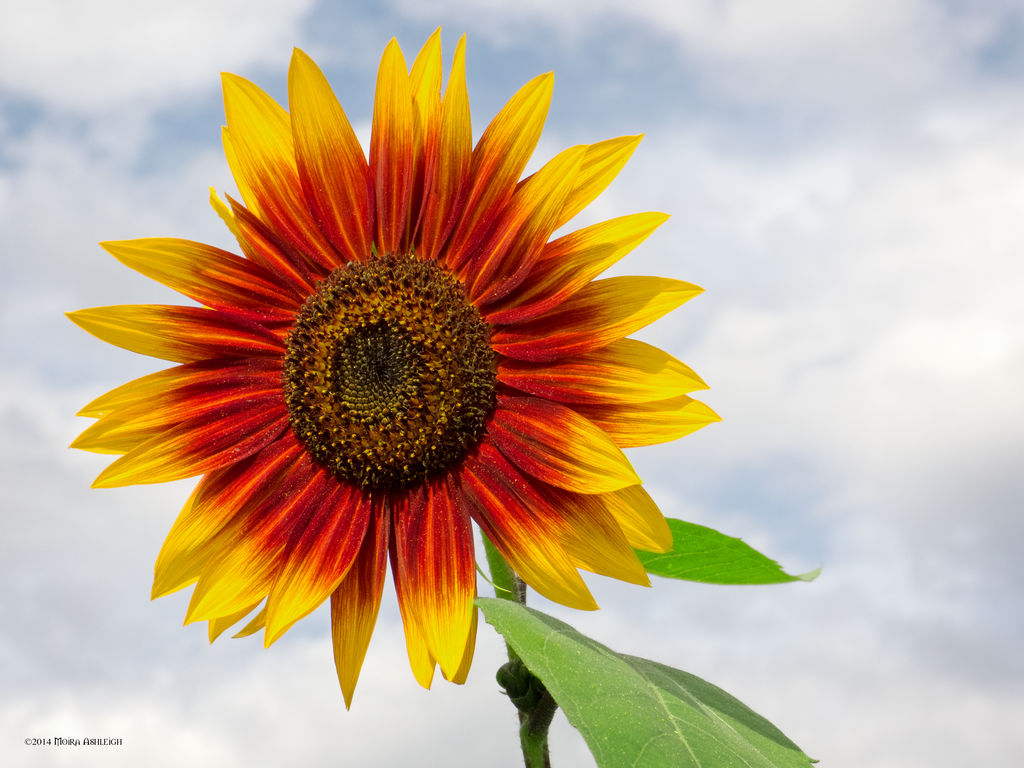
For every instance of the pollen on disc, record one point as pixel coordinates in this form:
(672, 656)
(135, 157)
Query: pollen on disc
(389, 374)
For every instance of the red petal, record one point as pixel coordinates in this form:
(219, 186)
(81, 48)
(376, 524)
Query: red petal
(261, 245)
(557, 445)
(260, 151)
(180, 334)
(522, 526)
(603, 312)
(216, 500)
(209, 275)
(233, 431)
(436, 571)
(498, 161)
(526, 223)
(320, 556)
(252, 550)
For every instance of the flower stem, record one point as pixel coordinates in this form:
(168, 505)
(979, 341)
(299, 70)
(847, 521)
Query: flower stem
(507, 585)
(533, 732)
(535, 713)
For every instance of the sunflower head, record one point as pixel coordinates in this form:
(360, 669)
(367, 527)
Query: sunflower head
(389, 374)
(399, 349)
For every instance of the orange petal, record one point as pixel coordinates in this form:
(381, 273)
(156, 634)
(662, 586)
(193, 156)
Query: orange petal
(557, 445)
(202, 392)
(448, 154)
(251, 551)
(209, 275)
(659, 421)
(435, 576)
(392, 149)
(200, 445)
(569, 263)
(332, 168)
(420, 659)
(186, 380)
(626, 371)
(319, 558)
(260, 152)
(356, 601)
(180, 334)
(262, 246)
(498, 161)
(521, 525)
(215, 501)
(601, 164)
(603, 312)
(526, 223)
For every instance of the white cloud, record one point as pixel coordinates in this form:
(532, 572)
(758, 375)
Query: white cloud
(842, 56)
(103, 55)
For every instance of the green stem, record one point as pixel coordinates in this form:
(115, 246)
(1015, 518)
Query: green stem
(534, 721)
(533, 732)
(507, 585)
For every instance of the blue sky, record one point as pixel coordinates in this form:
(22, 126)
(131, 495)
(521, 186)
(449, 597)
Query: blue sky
(846, 181)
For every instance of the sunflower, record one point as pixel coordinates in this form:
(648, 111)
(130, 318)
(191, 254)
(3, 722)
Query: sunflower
(400, 350)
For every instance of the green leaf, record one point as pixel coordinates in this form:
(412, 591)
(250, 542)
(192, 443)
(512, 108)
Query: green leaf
(635, 713)
(704, 554)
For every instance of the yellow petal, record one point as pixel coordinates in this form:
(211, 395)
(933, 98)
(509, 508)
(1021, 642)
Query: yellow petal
(447, 161)
(332, 167)
(601, 164)
(523, 525)
(526, 224)
(261, 154)
(199, 445)
(112, 435)
(594, 540)
(242, 575)
(193, 540)
(658, 421)
(425, 79)
(132, 392)
(467, 655)
(319, 558)
(209, 275)
(435, 575)
(626, 371)
(420, 660)
(179, 334)
(218, 626)
(355, 604)
(258, 622)
(392, 149)
(498, 161)
(603, 312)
(640, 519)
(569, 263)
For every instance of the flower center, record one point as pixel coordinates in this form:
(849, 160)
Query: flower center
(389, 374)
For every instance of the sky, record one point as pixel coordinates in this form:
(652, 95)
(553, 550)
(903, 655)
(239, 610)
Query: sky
(846, 181)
